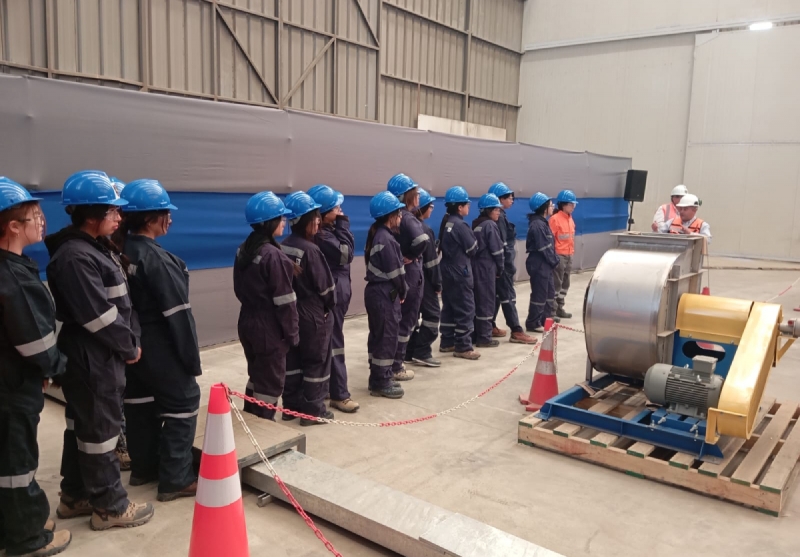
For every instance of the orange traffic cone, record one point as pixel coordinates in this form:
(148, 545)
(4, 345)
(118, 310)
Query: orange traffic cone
(218, 527)
(545, 381)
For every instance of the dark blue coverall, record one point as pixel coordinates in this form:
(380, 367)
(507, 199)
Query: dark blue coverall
(337, 245)
(541, 262)
(162, 397)
(268, 323)
(487, 265)
(413, 241)
(458, 245)
(506, 294)
(100, 333)
(425, 333)
(28, 356)
(308, 365)
(386, 287)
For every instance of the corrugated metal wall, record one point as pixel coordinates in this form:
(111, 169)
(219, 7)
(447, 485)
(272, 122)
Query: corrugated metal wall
(383, 60)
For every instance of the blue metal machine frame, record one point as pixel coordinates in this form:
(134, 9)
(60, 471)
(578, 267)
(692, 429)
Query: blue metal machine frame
(657, 427)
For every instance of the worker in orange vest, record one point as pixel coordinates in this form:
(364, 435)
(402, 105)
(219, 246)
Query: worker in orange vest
(687, 222)
(668, 211)
(563, 227)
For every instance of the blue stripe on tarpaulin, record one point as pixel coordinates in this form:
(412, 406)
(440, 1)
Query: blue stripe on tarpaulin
(208, 227)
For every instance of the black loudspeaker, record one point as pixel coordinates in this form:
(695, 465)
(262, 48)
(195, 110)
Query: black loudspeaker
(634, 185)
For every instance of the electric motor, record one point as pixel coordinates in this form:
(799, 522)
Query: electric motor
(686, 391)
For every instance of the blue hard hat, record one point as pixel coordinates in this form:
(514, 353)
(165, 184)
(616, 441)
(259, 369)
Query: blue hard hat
(146, 195)
(90, 187)
(299, 203)
(566, 196)
(384, 204)
(12, 194)
(264, 206)
(500, 189)
(489, 201)
(118, 184)
(326, 196)
(456, 194)
(537, 201)
(400, 184)
(425, 198)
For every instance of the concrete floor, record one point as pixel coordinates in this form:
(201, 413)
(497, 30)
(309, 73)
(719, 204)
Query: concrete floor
(469, 462)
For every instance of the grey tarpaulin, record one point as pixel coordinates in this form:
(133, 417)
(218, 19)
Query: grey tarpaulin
(51, 128)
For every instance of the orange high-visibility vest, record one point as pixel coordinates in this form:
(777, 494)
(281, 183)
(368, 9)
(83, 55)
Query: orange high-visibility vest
(563, 228)
(670, 212)
(676, 227)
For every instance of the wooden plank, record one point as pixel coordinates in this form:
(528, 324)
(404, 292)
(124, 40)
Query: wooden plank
(682, 460)
(567, 429)
(640, 449)
(747, 472)
(613, 399)
(781, 468)
(655, 469)
(608, 439)
(732, 445)
(530, 421)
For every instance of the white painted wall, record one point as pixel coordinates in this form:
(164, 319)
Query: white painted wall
(632, 97)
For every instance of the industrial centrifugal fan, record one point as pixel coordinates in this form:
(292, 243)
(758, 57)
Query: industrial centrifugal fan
(701, 360)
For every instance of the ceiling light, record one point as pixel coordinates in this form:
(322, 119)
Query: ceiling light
(761, 26)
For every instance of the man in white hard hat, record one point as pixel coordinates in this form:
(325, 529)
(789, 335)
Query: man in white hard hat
(687, 221)
(668, 211)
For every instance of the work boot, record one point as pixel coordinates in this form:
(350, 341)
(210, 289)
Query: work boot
(70, 508)
(522, 338)
(136, 481)
(491, 344)
(287, 417)
(392, 391)
(188, 491)
(563, 314)
(135, 515)
(498, 332)
(447, 348)
(124, 458)
(430, 361)
(403, 375)
(469, 354)
(50, 525)
(348, 405)
(539, 329)
(556, 319)
(60, 542)
(328, 415)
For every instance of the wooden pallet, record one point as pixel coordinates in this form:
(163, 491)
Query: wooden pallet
(757, 473)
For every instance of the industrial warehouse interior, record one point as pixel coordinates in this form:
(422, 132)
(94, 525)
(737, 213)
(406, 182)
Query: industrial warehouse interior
(641, 399)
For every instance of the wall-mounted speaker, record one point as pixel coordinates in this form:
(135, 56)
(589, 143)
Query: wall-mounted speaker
(634, 185)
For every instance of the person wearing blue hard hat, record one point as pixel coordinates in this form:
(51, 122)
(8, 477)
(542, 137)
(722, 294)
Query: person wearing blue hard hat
(419, 348)
(541, 262)
(385, 293)
(263, 283)
(29, 361)
(118, 184)
(99, 336)
(337, 244)
(413, 242)
(457, 245)
(308, 365)
(162, 397)
(487, 265)
(505, 291)
(563, 227)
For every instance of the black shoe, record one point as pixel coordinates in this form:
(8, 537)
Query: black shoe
(490, 344)
(555, 319)
(430, 361)
(392, 391)
(563, 314)
(287, 418)
(328, 415)
(136, 481)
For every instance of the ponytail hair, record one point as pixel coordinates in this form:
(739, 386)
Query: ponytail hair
(263, 233)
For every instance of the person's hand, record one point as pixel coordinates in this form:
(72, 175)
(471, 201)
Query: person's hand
(138, 356)
(654, 226)
(45, 384)
(402, 300)
(407, 261)
(685, 230)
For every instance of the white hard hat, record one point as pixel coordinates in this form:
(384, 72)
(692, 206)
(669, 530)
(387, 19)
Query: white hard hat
(688, 200)
(679, 190)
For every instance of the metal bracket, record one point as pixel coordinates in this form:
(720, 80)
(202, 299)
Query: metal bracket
(264, 499)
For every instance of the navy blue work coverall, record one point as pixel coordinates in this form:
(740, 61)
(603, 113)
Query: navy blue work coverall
(28, 356)
(541, 262)
(162, 397)
(458, 245)
(505, 293)
(100, 333)
(427, 330)
(487, 265)
(386, 287)
(413, 241)
(337, 244)
(308, 365)
(268, 323)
